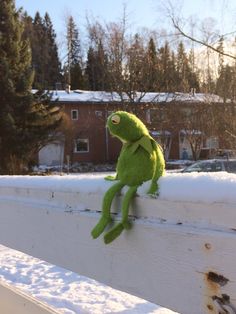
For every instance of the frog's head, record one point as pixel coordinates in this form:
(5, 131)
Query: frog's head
(126, 126)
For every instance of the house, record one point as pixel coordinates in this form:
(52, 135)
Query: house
(177, 121)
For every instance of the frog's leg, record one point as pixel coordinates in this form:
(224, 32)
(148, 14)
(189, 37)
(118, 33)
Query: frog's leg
(124, 224)
(106, 205)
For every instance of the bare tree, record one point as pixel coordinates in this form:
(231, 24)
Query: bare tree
(177, 23)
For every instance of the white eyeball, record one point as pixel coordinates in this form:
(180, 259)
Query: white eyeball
(115, 119)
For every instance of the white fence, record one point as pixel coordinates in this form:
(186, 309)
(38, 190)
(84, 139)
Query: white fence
(15, 301)
(180, 255)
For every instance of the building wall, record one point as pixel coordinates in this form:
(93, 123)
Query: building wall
(91, 125)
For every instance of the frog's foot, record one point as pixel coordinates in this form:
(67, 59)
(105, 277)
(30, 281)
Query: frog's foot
(113, 233)
(154, 189)
(116, 231)
(100, 226)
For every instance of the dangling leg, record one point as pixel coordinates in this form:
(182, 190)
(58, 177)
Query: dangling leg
(124, 224)
(106, 205)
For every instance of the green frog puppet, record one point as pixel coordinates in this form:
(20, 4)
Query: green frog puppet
(141, 159)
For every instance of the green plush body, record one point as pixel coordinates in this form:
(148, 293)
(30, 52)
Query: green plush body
(141, 159)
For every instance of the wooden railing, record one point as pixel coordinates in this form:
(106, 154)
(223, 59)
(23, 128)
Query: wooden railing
(178, 254)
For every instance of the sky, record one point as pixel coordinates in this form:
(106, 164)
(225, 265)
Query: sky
(142, 13)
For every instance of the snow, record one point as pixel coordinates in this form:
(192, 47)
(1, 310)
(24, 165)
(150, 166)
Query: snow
(218, 187)
(65, 291)
(102, 96)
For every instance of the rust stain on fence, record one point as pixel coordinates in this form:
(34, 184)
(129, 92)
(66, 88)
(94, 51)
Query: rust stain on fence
(213, 283)
(216, 278)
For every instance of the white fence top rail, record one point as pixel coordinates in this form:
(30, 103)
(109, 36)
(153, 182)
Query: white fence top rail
(180, 252)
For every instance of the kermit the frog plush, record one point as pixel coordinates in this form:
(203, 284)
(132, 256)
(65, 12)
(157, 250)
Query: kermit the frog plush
(141, 159)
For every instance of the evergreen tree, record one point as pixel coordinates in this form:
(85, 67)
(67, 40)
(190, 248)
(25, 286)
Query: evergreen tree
(186, 75)
(25, 119)
(136, 71)
(90, 70)
(182, 68)
(39, 53)
(166, 69)
(193, 78)
(45, 59)
(152, 66)
(73, 69)
(53, 69)
(225, 85)
(96, 71)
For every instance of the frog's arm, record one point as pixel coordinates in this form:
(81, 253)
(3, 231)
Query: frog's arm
(160, 167)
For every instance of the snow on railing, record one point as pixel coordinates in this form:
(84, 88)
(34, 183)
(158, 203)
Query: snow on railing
(180, 252)
(31, 286)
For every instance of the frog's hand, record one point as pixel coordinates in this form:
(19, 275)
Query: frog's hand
(111, 178)
(154, 189)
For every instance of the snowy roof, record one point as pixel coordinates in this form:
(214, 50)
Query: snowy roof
(102, 96)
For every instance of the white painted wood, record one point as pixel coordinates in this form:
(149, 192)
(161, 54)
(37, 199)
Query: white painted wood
(14, 301)
(165, 258)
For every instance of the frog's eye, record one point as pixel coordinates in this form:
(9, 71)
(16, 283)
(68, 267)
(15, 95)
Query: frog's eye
(115, 119)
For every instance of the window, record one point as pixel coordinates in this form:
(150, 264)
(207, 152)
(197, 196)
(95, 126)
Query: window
(74, 114)
(157, 115)
(186, 112)
(98, 113)
(81, 145)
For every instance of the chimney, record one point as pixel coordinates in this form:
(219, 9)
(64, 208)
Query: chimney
(192, 91)
(68, 88)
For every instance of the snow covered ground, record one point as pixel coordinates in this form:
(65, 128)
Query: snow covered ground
(65, 291)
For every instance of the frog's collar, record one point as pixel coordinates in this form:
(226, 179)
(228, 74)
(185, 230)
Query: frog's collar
(145, 142)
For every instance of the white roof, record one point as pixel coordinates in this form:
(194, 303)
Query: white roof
(102, 96)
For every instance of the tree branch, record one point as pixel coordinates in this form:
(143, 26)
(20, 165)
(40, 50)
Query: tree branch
(181, 32)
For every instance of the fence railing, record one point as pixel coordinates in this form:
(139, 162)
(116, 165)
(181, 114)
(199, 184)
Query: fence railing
(178, 254)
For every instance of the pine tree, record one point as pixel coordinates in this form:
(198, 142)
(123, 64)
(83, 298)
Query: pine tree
(25, 119)
(39, 52)
(186, 75)
(193, 78)
(45, 59)
(90, 70)
(53, 69)
(136, 78)
(152, 66)
(166, 69)
(73, 69)
(96, 71)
